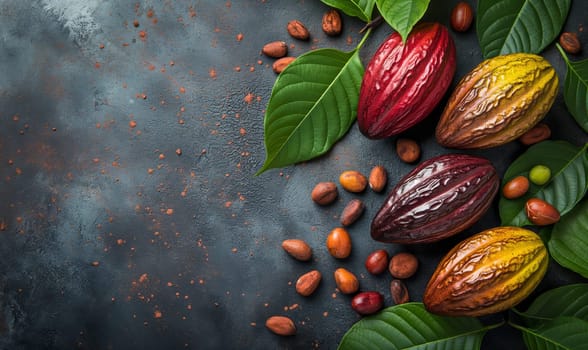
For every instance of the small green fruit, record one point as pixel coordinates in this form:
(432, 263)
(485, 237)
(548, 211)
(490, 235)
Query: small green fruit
(539, 175)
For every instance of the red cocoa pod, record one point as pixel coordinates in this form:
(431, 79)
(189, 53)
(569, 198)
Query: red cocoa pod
(404, 82)
(442, 196)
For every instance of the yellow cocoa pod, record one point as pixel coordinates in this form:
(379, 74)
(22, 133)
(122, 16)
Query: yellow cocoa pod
(498, 101)
(487, 273)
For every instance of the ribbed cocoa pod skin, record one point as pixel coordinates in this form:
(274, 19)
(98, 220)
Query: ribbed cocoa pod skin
(439, 198)
(403, 83)
(498, 101)
(487, 273)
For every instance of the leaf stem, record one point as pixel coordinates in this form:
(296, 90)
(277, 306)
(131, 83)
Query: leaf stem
(372, 24)
(363, 39)
(562, 53)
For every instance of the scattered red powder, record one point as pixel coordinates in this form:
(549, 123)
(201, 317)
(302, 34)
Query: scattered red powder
(249, 98)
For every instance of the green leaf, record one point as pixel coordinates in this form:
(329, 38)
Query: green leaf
(569, 240)
(312, 105)
(410, 325)
(361, 9)
(570, 300)
(402, 15)
(576, 89)
(560, 333)
(568, 184)
(508, 26)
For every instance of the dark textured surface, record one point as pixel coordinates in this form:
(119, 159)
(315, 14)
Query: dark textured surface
(110, 240)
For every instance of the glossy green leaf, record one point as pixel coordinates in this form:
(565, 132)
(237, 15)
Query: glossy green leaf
(361, 9)
(568, 184)
(561, 333)
(508, 26)
(570, 300)
(402, 15)
(411, 326)
(576, 89)
(568, 244)
(312, 105)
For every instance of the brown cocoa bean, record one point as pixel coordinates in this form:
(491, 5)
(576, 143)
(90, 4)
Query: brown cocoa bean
(366, 303)
(462, 17)
(570, 43)
(281, 325)
(281, 64)
(353, 181)
(399, 292)
(297, 30)
(339, 243)
(540, 212)
(378, 178)
(298, 249)
(308, 283)
(516, 187)
(408, 150)
(332, 23)
(538, 133)
(346, 281)
(403, 265)
(377, 262)
(324, 193)
(352, 212)
(275, 49)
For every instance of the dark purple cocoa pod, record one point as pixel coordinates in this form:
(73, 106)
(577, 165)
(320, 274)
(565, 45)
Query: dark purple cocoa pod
(441, 197)
(404, 82)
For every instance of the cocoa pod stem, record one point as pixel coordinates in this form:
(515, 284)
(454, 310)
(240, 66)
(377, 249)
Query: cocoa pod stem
(372, 24)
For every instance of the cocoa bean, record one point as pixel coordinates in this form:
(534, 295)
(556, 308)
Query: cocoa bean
(540, 212)
(462, 17)
(275, 49)
(366, 303)
(324, 193)
(332, 24)
(403, 265)
(352, 212)
(281, 325)
(399, 292)
(570, 43)
(378, 178)
(298, 30)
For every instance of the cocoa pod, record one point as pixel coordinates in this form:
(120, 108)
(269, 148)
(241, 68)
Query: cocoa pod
(498, 101)
(404, 82)
(439, 198)
(487, 273)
